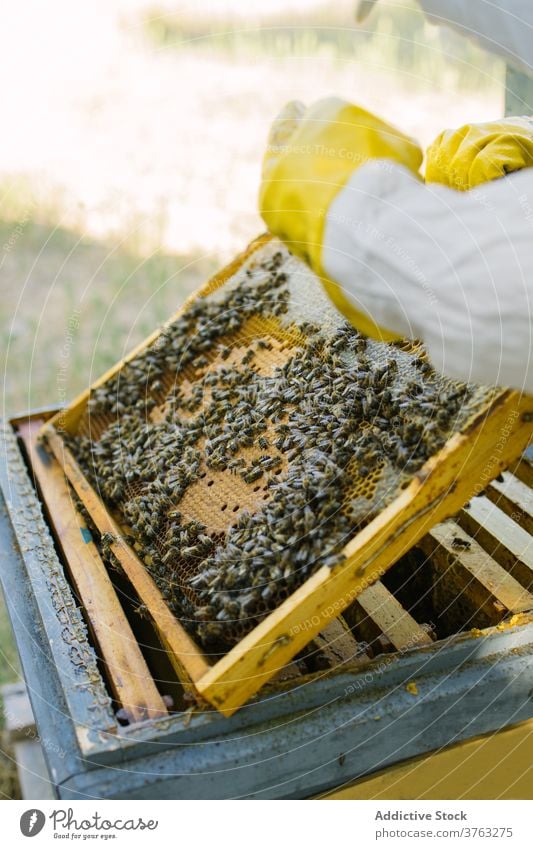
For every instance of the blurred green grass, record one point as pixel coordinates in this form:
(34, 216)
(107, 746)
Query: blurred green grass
(395, 36)
(71, 306)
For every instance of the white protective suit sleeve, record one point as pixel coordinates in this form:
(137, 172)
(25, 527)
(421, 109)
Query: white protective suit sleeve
(454, 269)
(504, 27)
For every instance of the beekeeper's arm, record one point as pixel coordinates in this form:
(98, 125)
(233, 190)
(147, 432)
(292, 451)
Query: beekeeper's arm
(504, 27)
(402, 258)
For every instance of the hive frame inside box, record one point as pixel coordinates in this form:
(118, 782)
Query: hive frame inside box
(494, 439)
(484, 678)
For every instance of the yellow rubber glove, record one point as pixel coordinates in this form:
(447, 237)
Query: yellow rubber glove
(477, 153)
(311, 155)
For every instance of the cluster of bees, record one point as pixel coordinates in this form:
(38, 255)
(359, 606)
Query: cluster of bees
(339, 410)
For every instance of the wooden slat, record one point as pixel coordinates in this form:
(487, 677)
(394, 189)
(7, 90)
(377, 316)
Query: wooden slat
(385, 614)
(502, 538)
(515, 498)
(465, 570)
(186, 656)
(129, 676)
(42, 413)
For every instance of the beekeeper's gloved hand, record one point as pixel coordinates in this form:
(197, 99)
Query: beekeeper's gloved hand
(310, 158)
(477, 153)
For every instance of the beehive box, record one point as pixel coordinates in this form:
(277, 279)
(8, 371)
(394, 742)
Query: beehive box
(256, 464)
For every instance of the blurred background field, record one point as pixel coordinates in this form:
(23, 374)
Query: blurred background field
(132, 134)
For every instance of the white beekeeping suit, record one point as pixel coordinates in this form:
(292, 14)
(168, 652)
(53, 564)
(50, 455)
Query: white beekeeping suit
(504, 27)
(400, 257)
(452, 268)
